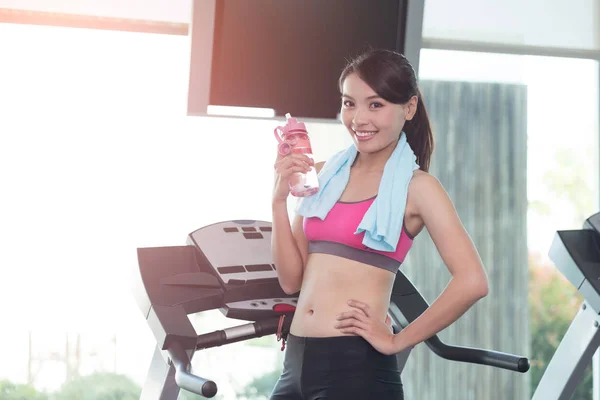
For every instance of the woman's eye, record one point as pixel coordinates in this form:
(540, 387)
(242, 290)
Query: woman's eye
(348, 103)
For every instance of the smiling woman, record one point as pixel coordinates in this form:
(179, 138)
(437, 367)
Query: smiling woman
(346, 245)
(392, 104)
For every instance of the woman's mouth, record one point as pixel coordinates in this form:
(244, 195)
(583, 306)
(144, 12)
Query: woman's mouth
(364, 135)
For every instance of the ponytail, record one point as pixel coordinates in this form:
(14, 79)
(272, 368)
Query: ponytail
(419, 135)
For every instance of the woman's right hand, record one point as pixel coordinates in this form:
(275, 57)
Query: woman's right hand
(285, 166)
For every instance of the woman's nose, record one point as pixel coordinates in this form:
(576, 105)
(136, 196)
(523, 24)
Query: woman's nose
(360, 118)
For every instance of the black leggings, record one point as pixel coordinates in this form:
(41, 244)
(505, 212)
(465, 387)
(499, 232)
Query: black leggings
(332, 368)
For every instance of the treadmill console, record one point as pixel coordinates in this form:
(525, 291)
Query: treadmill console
(576, 253)
(238, 251)
(593, 223)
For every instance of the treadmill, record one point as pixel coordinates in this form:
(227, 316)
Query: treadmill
(228, 266)
(576, 253)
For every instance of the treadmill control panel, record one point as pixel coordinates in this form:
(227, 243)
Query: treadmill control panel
(238, 251)
(576, 253)
(283, 305)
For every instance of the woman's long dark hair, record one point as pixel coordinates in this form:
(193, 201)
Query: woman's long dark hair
(392, 77)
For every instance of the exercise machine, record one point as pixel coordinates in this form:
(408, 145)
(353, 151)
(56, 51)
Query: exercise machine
(576, 253)
(228, 266)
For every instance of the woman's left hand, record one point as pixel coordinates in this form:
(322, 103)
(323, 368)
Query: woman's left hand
(360, 322)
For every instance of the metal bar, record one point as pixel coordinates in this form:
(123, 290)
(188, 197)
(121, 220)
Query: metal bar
(43, 18)
(241, 332)
(504, 48)
(414, 31)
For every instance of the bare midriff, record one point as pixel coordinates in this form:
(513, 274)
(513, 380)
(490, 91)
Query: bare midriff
(328, 283)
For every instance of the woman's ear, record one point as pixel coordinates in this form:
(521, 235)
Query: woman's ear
(411, 108)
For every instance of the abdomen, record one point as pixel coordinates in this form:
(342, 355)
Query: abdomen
(329, 282)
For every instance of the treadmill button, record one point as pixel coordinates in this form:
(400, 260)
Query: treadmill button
(231, 269)
(258, 267)
(253, 235)
(283, 308)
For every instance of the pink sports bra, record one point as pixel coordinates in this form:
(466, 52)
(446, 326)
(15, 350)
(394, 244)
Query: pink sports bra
(335, 235)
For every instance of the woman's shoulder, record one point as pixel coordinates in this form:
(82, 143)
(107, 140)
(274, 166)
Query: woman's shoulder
(423, 179)
(423, 186)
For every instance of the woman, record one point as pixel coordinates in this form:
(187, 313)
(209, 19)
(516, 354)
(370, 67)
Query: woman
(340, 344)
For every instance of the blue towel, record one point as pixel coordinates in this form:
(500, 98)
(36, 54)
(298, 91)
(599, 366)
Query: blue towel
(383, 221)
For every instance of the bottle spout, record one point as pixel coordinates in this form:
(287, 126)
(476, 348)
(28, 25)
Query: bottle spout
(290, 119)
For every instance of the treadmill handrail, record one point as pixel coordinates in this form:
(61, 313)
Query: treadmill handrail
(407, 304)
(472, 355)
(455, 353)
(184, 378)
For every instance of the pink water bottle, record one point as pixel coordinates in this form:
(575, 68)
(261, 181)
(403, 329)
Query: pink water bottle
(294, 139)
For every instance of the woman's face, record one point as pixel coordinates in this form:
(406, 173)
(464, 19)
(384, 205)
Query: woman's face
(373, 122)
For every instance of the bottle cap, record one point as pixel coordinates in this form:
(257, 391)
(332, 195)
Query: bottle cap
(292, 124)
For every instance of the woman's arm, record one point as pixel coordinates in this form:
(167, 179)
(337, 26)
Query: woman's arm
(285, 251)
(469, 281)
(289, 246)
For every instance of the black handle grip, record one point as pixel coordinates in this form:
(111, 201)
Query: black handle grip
(184, 378)
(492, 358)
(243, 332)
